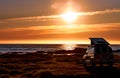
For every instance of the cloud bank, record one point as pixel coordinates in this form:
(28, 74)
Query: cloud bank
(107, 11)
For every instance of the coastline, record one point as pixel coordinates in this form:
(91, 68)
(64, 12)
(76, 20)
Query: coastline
(53, 65)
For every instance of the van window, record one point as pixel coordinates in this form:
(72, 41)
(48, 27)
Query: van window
(90, 50)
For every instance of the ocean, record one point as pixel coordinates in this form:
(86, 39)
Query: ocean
(43, 47)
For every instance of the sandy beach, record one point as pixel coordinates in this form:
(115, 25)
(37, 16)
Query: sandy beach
(57, 64)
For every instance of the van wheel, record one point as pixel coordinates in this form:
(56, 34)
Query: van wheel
(101, 64)
(84, 62)
(110, 64)
(92, 63)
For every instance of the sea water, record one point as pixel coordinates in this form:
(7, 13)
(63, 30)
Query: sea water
(43, 47)
(36, 47)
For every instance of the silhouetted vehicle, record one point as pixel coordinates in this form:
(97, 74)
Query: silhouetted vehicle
(99, 52)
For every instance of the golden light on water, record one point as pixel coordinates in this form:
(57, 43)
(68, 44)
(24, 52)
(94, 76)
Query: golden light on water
(69, 46)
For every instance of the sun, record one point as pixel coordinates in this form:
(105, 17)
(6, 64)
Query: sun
(69, 16)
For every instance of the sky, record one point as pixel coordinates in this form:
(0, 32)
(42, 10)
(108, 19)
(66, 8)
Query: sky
(47, 21)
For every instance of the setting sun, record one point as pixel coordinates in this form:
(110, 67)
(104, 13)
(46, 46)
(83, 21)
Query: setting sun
(69, 16)
(58, 21)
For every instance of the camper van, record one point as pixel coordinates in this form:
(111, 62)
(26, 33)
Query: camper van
(99, 52)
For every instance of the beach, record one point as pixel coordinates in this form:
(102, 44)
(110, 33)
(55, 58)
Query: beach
(58, 64)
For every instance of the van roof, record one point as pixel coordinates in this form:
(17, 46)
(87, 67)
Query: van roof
(95, 41)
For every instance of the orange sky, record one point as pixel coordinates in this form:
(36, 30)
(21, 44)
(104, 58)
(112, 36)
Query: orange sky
(61, 34)
(59, 21)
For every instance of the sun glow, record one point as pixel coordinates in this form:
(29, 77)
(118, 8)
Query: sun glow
(69, 16)
(69, 46)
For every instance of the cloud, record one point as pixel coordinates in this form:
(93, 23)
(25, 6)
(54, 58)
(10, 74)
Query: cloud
(107, 11)
(84, 18)
(61, 32)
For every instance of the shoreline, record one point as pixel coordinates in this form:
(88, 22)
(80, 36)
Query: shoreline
(39, 65)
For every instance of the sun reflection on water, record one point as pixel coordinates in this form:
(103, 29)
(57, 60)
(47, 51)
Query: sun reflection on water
(69, 46)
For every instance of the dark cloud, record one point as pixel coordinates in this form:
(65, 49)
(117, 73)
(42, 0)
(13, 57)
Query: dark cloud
(24, 8)
(93, 5)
